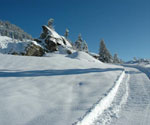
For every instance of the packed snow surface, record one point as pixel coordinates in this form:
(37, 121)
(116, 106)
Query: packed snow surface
(53, 90)
(137, 108)
(102, 105)
(127, 103)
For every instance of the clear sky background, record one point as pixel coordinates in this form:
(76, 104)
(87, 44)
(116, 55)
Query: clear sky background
(124, 24)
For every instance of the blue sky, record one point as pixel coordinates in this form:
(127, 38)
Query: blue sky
(124, 24)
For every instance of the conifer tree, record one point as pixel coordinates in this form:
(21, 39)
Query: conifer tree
(78, 43)
(50, 23)
(66, 33)
(116, 59)
(85, 47)
(134, 59)
(104, 54)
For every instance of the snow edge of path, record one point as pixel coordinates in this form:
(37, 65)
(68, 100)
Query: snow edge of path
(102, 104)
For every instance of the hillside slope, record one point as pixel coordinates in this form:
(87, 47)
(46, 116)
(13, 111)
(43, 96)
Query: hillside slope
(53, 90)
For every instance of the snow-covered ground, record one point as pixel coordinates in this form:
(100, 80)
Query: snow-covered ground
(95, 114)
(137, 108)
(127, 103)
(60, 89)
(55, 89)
(144, 68)
(9, 45)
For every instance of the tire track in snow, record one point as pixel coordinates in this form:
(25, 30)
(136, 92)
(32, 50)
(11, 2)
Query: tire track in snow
(103, 104)
(112, 113)
(137, 108)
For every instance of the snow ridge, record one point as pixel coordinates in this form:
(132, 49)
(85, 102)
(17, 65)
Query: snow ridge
(103, 104)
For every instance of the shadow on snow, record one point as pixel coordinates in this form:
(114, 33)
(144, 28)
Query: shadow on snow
(36, 73)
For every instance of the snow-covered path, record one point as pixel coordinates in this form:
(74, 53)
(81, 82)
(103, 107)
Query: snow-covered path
(137, 109)
(128, 105)
(107, 109)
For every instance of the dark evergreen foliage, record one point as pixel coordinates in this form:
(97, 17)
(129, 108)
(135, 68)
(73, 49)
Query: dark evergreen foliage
(78, 43)
(81, 45)
(104, 54)
(116, 59)
(66, 33)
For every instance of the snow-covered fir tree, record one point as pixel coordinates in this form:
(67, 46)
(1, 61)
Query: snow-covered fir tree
(66, 33)
(85, 47)
(50, 23)
(81, 45)
(134, 59)
(78, 43)
(104, 54)
(121, 61)
(116, 59)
